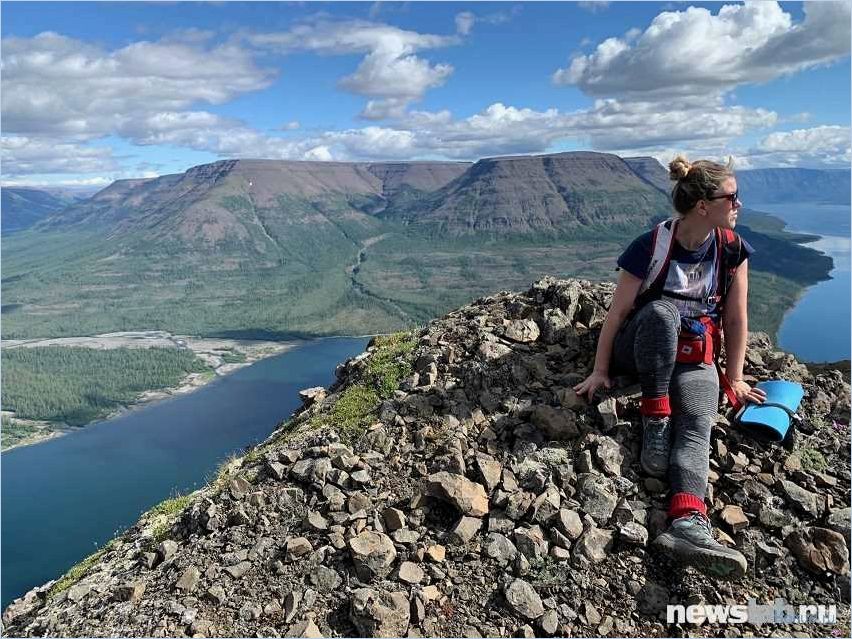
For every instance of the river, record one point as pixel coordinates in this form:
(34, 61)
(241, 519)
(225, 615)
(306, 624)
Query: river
(817, 328)
(64, 498)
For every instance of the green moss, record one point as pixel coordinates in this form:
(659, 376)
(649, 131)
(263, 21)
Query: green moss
(353, 411)
(813, 461)
(171, 506)
(77, 572)
(391, 363)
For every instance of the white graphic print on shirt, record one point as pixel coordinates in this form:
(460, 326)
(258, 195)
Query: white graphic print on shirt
(694, 281)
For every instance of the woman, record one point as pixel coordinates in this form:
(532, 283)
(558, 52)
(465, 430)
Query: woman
(679, 284)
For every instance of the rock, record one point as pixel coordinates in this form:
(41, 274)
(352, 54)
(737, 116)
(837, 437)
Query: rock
(316, 522)
(531, 542)
(633, 533)
(131, 592)
(379, 613)
(569, 522)
(523, 599)
(312, 395)
(394, 519)
(325, 579)
(499, 547)
(292, 600)
(78, 592)
(609, 456)
(594, 545)
(250, 611)
(820, 550)
(468, 497)
(490, 471)
(305, 628)
(410, 573)
(436, 553)
(607, 409)
(549, 622)
(805, 500)
(555, 423)
(167, 550)
(217, 594)
(597, 497)
(373, 554)
(277, 470)
(593, 617)
(189, 579)
(298, 547)
(734, 517)
(465, 530)
(523, 331)
(839, 521)
(239, 570)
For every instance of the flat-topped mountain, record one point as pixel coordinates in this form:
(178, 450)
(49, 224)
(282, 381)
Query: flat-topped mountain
(450, 483)
(535, 194)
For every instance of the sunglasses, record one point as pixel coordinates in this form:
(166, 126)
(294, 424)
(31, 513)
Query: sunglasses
(731, 197)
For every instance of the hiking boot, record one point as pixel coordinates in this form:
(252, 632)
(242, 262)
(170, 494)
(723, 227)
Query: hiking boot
(690, 540)
(656, 441)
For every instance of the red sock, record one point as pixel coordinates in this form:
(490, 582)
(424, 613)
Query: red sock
(655, 406)
(683, 503)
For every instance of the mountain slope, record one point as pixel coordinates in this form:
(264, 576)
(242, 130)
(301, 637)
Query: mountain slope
(24, 207)
(450, 483)
(817, 186)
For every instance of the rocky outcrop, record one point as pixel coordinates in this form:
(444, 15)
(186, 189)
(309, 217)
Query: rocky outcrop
(466, 505)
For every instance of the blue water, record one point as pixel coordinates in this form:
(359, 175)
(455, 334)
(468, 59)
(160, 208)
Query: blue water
(818, 328)
(65, 497)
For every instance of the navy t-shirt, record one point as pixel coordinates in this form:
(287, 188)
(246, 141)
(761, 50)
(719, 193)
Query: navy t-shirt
(691, 273)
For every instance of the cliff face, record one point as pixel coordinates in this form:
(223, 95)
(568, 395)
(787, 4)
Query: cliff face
(450, 483)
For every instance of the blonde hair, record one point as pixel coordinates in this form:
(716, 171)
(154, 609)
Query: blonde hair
(696, 181)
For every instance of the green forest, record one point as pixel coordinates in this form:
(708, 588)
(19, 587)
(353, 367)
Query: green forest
(78, 385)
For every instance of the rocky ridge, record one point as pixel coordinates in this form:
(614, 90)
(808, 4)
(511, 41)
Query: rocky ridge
(450, 483)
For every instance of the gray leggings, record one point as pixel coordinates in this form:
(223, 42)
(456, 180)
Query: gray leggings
(646, 346)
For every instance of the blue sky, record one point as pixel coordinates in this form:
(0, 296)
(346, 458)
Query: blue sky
(93, 92)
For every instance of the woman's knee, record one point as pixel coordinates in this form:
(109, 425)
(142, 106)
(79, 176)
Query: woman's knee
(660, 312)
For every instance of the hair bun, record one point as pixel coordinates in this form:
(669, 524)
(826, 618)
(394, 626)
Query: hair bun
(678, 168)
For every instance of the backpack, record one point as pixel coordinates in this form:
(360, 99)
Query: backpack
(700, 341)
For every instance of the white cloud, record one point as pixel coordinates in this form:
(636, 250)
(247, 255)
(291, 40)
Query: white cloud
(697, 53)
(292, 125)
(55, 86)
(818, 146)
(22, 156)
(390, 72)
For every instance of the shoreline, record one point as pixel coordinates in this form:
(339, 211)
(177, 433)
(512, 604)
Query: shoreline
(209, 350)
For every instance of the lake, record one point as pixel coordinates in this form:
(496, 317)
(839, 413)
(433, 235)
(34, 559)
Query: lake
(817, 329)
(64, 498)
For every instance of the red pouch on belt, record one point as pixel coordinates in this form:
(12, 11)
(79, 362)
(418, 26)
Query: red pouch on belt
(697, 341)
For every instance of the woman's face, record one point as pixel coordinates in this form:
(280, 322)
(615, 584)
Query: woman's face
(723, 206)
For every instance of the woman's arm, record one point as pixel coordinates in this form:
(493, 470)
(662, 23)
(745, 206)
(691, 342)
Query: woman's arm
(735, 324)
(622, 303)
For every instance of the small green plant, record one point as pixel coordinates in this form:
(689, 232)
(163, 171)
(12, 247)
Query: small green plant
(78, 571)
(813, 461)
(352, 412)
(548, 571)
(391, 362)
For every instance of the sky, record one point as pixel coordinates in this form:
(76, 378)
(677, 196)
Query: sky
(98, 91)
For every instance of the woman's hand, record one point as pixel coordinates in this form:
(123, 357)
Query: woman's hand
(592, 383)
(746, 393)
